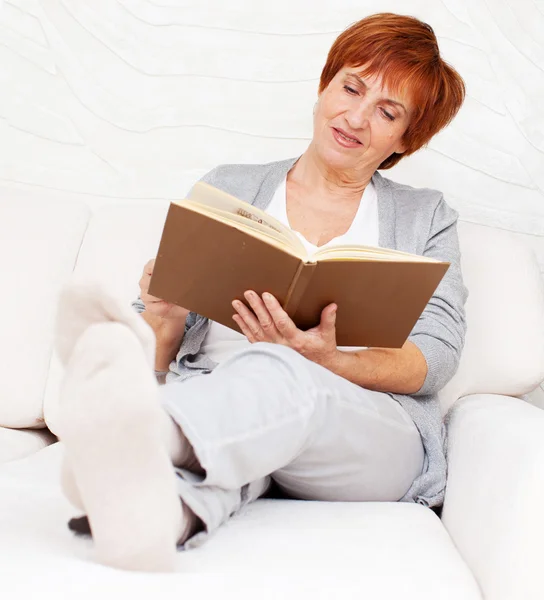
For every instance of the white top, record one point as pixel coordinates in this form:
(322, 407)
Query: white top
(221, 342)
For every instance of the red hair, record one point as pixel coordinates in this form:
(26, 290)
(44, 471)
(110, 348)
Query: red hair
(404, 52)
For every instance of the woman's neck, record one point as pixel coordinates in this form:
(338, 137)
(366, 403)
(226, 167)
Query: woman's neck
(311, 174)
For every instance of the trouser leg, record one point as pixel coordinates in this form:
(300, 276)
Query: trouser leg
(268, 411)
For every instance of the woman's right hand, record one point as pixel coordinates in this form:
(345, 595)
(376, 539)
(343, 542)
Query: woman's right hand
(154, 305)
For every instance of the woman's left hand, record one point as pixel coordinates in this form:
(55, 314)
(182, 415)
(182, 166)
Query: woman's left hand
(270, 323)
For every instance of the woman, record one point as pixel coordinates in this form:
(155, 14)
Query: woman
(277, 403)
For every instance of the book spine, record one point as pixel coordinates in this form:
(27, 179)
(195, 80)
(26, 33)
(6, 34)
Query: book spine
(298, 286)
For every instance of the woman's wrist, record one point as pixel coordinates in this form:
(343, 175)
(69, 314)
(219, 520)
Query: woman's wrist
(168, 335)
(168, 342)
(170, 329)
(165, 328)
(332, 361)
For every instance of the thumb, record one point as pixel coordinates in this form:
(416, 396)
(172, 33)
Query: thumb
(328, 317)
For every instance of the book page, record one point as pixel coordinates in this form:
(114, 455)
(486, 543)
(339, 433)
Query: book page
(354, 252)
(241, 222)
(216, 199)
(251, 228)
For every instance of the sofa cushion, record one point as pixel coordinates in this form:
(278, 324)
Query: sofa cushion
(18, 443)
(273, 548)
(39, 240)
(118, 242)
(504, 346)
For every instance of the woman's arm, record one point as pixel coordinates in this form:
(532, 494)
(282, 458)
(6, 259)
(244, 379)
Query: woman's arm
(430, 356)
(167, 320)
(400, 371)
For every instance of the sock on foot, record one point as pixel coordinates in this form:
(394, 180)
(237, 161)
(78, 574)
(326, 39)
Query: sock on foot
(111, 425)
(83, 303)
(191, 525)
(68, 484)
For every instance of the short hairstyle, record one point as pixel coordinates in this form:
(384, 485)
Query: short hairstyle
(404, 52)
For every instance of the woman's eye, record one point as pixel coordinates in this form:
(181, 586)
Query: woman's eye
(350, 90)
(388, 115)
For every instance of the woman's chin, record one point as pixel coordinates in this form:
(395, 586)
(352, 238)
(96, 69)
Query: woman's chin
(340, 157)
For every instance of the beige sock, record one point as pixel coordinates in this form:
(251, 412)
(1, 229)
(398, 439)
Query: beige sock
(68, 484)
(112, 427)
(191, 524)
(181, 454)
(180, 451)
(82, 303)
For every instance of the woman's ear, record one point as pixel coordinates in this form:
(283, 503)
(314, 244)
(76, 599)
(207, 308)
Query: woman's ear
(401, 147)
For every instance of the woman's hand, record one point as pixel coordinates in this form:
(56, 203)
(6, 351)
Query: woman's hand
(271, 323)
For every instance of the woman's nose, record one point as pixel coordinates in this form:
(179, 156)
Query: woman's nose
(359, 118)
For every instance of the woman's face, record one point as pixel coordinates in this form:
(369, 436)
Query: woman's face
(365, 111)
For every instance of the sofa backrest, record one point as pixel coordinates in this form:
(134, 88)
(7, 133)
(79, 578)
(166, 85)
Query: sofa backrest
(40, 238)
(118, 243)
(504, 345)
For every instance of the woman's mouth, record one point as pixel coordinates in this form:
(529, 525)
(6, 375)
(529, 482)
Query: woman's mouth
(344, 140)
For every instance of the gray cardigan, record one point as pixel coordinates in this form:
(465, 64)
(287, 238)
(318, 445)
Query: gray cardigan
(411, 220)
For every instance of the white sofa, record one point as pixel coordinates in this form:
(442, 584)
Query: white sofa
(487, 544)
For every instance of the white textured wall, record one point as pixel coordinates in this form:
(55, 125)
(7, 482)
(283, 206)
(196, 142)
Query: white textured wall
(137, 98)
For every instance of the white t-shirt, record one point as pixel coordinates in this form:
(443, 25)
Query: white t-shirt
(221, 342)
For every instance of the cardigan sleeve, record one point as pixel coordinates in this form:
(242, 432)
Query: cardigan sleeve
(440, 331)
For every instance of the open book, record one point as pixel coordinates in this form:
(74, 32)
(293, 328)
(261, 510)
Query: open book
(215, 246)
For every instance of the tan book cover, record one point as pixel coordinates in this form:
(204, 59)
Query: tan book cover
(214, 247)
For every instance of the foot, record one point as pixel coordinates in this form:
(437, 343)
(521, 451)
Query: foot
(84, 303)
(81, 304)
(68, 484)
(111, 425)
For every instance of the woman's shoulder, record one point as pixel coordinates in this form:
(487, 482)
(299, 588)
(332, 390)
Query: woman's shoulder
(244, 180)
(425, 200)
(404, 191)
(233, 171)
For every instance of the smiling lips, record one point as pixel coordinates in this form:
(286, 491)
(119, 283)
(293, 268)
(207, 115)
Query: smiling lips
(347, 135)
(345, 139)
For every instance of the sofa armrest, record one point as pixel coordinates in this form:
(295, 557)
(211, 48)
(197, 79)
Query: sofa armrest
(494, 502)
(18, 443)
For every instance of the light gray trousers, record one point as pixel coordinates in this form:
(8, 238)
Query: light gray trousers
(268, 412)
